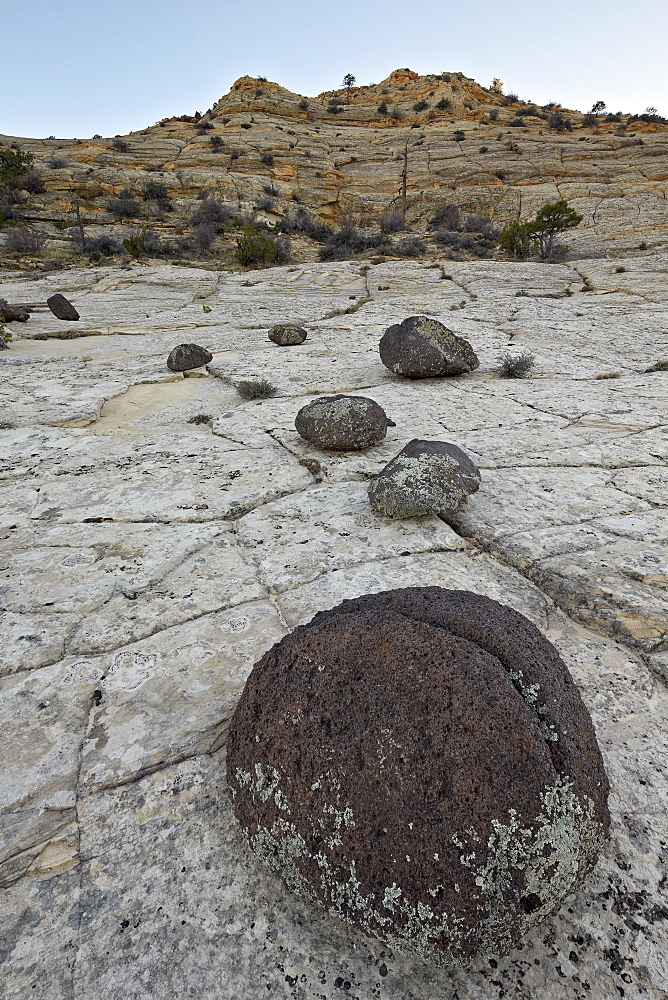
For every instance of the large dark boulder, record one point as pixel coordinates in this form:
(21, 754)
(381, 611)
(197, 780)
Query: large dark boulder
(425, 477)
(287, 334)
(12, 314)
(421, 347)
(343, 423)
(187, 356)
(61, 307)
(420, 763)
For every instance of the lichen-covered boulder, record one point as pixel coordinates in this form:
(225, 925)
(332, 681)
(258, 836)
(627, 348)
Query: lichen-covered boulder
(343, 423)
(61, 307)
(420, 763)
(287, 334)
(421, 347)
(426, 477)
(187, 356)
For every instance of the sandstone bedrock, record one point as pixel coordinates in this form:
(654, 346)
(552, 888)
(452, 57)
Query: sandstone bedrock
(147, 562)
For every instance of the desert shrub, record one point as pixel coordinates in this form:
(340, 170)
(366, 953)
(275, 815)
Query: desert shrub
(204, 127)
(304, 222)
(95, 246)
(270, 189)
(410, 246)
(334, 106)
(480, 224)
(484, 149)
(516, 238)
(121, 145)
(56, 162)
(256, 389)
(392, 221)
(396, 114)
(444, 104)
(510, 99)
(516, 123)
(5, 338)
(382, 108)
(589, 120)
(125, 206)
(13, 164)
(158, 193)
(446, 217)
(516, 366)
(23, 241)
(216, 142)
(349, 241)
(421, 105)
(458, 135)
(526, 112)
(31, 181)
(256, 249)
(538, 235)
(513, 147)
(559, 122)
(494, 114)
(658, 366)
(267, 159)
(464, 241)
(211, 210)
(500, 175)
(203, 236)
(134, 245)
(303, 105)
(266, 203)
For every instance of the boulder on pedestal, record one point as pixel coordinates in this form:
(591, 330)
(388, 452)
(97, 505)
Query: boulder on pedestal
(421, 347)
(425, 477)
(343, 423)
(187, 356)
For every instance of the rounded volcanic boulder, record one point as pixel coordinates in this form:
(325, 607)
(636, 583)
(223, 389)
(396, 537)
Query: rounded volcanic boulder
(420, 763)
(421, 347)
(61, 307)
(343, 423)
(187, 356)
(425, 477)
(287, 335)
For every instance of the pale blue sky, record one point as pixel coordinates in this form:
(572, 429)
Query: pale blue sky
(78, 67)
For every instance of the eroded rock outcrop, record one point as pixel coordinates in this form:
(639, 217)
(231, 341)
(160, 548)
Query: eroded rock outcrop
(444, 797)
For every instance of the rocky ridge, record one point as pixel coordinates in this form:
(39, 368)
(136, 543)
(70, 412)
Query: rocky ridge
(267, 152)
(159, 535)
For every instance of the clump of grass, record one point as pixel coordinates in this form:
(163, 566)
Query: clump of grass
(516, 365)
(201, 418)
(658, 366)
(256, 389)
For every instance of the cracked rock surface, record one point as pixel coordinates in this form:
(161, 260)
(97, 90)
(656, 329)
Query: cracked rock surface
(146, 563)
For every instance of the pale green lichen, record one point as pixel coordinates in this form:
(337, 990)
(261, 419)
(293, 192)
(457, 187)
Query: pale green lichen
(551, 851)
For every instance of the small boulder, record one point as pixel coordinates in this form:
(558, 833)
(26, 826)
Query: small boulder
(61, 307)
(187, 356)
(287, 334)
(420, 763)
(421, 347)
(426, 477)
(343, 423)
(12, 314)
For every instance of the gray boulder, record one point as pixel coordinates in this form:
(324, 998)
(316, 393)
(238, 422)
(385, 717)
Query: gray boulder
(421, 347)
(425, 477)
(187, 356)
(12, 314)
(61, 307)
(287, 335)
(343, 423)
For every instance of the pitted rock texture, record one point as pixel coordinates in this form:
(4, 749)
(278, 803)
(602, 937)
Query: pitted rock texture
(425, 477)
(187, 356)
(287, 335)
(343, 423)
(420, 762)
(421, 347)
(61, 307)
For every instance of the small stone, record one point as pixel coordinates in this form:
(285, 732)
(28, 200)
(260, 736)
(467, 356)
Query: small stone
(425, 477)
(12, 314)
(187, 356)
(343, 423)
(61, 307)
(421, 347)
(421, 764)
(287, 334)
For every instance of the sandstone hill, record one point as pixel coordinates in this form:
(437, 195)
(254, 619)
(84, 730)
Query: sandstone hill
(419, 142)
